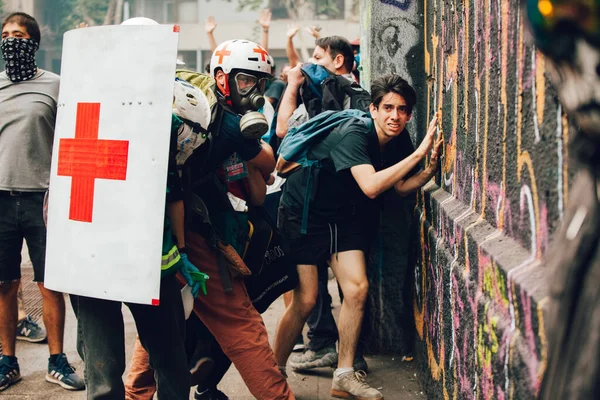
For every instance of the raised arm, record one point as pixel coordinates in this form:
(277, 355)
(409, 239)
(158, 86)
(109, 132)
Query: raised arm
(290, 49)
(264, 21)
(210, 26)
(288, 102)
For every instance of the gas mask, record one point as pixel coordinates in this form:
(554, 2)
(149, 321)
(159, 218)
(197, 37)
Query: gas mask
(567, 32)
(246, 99)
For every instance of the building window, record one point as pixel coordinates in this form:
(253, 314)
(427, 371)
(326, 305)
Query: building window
(168, 11)
(188, 12)
(190, 58)
(324, 9)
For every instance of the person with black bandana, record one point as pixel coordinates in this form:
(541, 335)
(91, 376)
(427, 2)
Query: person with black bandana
(28, 101)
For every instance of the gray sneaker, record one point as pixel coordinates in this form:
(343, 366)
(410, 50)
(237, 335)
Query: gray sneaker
(353, 386)
(323, 358)
(30, 331)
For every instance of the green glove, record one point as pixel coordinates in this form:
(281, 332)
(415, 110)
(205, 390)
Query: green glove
(200, 277)
(193, 277)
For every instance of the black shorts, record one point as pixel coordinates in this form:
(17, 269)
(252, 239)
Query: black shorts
(21, 218)
(324, 239)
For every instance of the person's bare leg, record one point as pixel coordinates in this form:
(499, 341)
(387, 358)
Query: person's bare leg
(287, 298)
(350, 271)
(290, 325)
(8, 316)
(54, 318)
(22, 314)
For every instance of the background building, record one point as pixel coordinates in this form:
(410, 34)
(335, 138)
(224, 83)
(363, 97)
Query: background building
(336, 17)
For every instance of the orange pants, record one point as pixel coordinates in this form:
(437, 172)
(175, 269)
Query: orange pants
(237, 326)
(140, 383)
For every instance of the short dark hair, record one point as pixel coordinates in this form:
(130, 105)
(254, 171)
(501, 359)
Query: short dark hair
(27, 21)
(392, 84)
(335, 45)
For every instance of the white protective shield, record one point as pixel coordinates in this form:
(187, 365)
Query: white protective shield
(109, 162)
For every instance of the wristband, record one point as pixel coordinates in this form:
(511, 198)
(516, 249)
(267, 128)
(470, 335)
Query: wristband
(181, 250)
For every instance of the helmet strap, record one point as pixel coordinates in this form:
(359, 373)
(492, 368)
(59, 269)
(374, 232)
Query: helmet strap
(224, 89)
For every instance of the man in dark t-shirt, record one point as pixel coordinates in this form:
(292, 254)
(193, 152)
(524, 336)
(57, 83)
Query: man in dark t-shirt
(361, 162)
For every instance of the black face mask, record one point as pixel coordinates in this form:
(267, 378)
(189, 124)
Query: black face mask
(19, 55)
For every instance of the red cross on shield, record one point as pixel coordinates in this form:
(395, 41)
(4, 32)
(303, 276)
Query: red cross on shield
(87, 158)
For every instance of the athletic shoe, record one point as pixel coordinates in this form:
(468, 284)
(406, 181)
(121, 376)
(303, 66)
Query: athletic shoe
(299, 346)
(30, 331)
(9, 372)
(323, 358)
(63, 374)
(201, 370)
(353, 386)
(210, 394)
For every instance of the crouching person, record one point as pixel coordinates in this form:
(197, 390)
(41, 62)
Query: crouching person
(213, 236)
(359, 159)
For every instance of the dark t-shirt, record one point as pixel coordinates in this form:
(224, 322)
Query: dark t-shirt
(335, 194)
(275, 91)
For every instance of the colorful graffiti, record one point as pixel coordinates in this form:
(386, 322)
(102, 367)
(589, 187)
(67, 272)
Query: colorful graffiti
(501, 193)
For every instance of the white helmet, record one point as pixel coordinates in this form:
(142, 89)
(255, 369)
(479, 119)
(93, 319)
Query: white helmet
(240, 54)
(191, 103)
(139, 21)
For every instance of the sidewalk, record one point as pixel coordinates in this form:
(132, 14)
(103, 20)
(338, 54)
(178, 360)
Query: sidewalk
(397, 380)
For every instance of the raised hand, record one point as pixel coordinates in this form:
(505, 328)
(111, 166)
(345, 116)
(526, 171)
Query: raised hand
(427, 142)
(210, 24)
(314, 30)
(295, 76)
(292, 30)
(264, 20)
(435, 154)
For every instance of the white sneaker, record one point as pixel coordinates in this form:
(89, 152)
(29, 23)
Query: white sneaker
(353, 386)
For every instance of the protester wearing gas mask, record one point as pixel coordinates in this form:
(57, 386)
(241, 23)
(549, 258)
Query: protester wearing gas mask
(233, 156)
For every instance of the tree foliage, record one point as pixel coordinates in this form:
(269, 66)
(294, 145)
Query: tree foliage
(296, 9)
(67, 14)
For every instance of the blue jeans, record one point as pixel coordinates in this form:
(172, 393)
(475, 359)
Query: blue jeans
(101, 343)
(21, 218)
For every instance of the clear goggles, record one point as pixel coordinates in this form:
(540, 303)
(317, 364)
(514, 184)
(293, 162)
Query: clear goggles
(246, 82)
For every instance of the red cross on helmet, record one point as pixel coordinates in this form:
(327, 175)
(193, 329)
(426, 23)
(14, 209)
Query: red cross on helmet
(240, 54)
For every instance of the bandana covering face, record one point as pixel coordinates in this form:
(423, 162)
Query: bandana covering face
(19, 54)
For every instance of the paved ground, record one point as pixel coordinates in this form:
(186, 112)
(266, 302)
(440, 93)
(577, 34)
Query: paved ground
(396, 379)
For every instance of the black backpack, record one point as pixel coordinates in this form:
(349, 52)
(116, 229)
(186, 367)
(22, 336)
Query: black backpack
(325, 91)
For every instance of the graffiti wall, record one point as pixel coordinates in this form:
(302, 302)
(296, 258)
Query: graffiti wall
(486, 222)
(393, 38)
